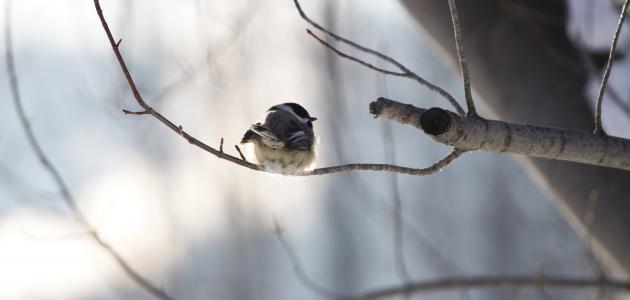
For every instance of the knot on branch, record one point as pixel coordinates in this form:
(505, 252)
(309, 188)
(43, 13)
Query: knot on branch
(435, 121)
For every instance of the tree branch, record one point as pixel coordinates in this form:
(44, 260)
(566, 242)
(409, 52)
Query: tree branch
(534, 282)
(599, 130)
(474, 133)
(459, 44)
(405, 71)
(56, 175)
(239, 161)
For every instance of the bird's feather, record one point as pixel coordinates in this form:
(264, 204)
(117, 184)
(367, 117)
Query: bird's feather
(268, 137)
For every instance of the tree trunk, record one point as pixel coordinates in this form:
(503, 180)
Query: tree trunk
(525, 70)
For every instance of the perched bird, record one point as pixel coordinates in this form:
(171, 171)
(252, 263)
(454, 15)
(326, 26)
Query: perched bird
(285, 142)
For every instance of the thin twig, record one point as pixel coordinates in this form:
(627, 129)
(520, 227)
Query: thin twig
(221, 145)
(611, 91)
(299, 271)
(589, 222)
(244, 163)
(352, 58)
(56, 175)
(541, 288)
(602, 89)
(436, 167)
(483, 282)
(462, 58)
(407, 73)
(149, 110)
(240, 153)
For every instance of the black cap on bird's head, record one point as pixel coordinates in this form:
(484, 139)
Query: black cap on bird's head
(297, 109)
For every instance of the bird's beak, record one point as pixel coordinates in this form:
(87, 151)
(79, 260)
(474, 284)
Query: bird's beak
(312, 119)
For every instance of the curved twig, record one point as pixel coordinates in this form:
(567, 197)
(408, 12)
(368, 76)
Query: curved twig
(602, 88)
(455, 153)
(405, 71)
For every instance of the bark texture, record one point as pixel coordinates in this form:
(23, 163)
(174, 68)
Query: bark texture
(525, 70)
(475, 133)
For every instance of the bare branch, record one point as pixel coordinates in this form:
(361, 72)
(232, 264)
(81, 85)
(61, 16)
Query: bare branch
(589, 222)
(149, 110)
(456, 284)
(474, 133)
(462, 58)
(56, 175)
(599, 130)
(438, 166)
(299, 271)
(240, 153)
(241, 161)
(405, 71)
(352, 58)
(588, 62)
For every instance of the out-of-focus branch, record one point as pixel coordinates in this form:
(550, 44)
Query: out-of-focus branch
(56, 175)
(405, 72)
(213, 55)
(474, 133)
(397, 204)
(17, 101)
(299, 271)
(148, 110)
(602, 89)
(480, 282)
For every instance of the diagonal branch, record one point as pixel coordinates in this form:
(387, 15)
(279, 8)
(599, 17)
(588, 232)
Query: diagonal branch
(405, 71)
(299, 271)
(148, 110)
(599, 130)
(459, 44)
(56, 175)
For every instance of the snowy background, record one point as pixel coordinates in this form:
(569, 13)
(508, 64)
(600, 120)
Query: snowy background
(202, 228)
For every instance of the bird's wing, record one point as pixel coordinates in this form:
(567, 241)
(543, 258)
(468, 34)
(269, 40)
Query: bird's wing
(269, 138)
(298, 139)
(248, 136)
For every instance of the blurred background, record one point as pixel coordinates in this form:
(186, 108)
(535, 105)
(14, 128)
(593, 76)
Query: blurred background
(202, 228)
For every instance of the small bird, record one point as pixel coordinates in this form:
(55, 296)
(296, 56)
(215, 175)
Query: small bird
(285, 142)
